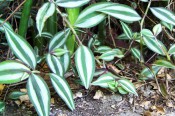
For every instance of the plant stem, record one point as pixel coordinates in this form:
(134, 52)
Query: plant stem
(73, 14)
(70, 26)
(25, 18)
(141, 27)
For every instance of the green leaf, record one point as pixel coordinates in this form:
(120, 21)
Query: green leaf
(155, 45)
(55, 65)
(147, 33)
(128, 86)
(59, 52)
(164, 63)
(5, 25)
(172, 49)
(122, 91)
(150, 73)
(16, 94)
(39, 94)
(59, 39)
(71, 3)
(164, 14)
(167, 25)
(103, 49)
(12, 72)
(43, 14)
(104, 79)
(157, 29)
(121, 11)
(109, 55)
(136, 53)
(21, 48)
(119, 53)
(45, 34)
(63, 90)
(65, 59)
(89, 17)
(126, 30)
(85, 64)
(2, 106)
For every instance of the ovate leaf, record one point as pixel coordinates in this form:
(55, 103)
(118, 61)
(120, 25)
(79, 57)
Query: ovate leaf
(155, 45)
(164, 63)
(55, 65)
(21, 48)
(109, 55)
(89, 17)
(59, 39)
(85, 64)
(103, 49)
(147, 33)
(4, 25)
(43, 14)
(65, 59)
(12, 72)
(126, 30)
(172, 49)
(16, 94)
(2, 106)
(59, 52)
(128, 86)
(71, 3)
(39, 94)
(157, 29)
(121, 11)
(136, 53)
(104, 79)
(150, 72)
(122, 91)
(63, 90)
(164, 14)
(167, 25)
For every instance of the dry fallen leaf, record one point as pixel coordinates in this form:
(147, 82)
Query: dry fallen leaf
(145, 104)
(23, 90)
(1, 88)
(77, 95)
(52, 100)
(98, 94)
(18, 102)
(170, 104)
(147, 113)
(160, 110)
(24, 98)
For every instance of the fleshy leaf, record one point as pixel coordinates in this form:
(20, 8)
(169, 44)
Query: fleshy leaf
(71, 3)
(21, 48)
(39, 94)
(85, 64)
(63, 90)
(43, 14)
(12, 72)
(55, 65)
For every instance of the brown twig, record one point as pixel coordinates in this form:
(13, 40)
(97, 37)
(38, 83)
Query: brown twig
(12, 13)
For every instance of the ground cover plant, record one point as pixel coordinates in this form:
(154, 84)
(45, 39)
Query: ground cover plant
(90, 39)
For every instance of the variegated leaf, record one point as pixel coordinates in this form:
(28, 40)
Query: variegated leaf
(85, 64)
(39, 94)
(55, 65)
(43, 14)
(13, 72)
(63, 90)
(59, 39)
(21, 48)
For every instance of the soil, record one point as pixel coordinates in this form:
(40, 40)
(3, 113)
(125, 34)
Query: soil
(109, 104)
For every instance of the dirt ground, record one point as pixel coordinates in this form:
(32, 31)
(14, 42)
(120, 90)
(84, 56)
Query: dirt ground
(104, 103)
